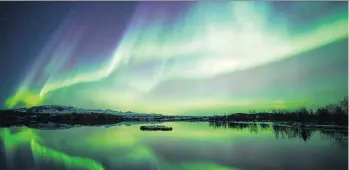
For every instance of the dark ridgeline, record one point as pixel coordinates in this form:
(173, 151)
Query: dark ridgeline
(334, 114)
(282, 131)
(330, 114)
(10, 118)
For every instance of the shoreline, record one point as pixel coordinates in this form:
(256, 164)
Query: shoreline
(11, 118)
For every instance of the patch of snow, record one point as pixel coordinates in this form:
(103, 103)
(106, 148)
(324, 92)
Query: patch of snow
(57, 109)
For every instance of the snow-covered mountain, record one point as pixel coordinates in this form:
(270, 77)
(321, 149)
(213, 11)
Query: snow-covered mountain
(57, 109)
(52, 109)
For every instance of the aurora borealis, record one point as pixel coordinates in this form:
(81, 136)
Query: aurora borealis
(195, 58)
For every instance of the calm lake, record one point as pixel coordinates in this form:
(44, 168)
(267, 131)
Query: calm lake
(189, 146)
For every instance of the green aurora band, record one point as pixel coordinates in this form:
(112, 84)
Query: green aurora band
(26, 135)
(199, 46)
(132, 149)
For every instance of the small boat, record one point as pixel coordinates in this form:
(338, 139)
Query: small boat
(156, 128)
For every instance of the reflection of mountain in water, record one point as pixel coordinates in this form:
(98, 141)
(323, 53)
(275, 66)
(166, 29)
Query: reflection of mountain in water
(283, 131)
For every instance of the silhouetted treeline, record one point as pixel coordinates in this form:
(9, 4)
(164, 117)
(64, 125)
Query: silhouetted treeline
(333, 113)
(10, 118)
(284, 131)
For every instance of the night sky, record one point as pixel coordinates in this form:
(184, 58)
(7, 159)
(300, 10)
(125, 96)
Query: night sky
(198, 58)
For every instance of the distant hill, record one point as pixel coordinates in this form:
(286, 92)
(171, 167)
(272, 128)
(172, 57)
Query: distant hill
(58, 109)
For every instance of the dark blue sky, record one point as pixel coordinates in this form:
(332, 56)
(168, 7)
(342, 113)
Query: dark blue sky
(25, 27)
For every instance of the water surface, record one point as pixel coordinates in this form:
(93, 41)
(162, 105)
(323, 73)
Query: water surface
(216, 146)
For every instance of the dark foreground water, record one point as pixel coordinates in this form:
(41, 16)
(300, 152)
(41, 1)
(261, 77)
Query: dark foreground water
(190, 146)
